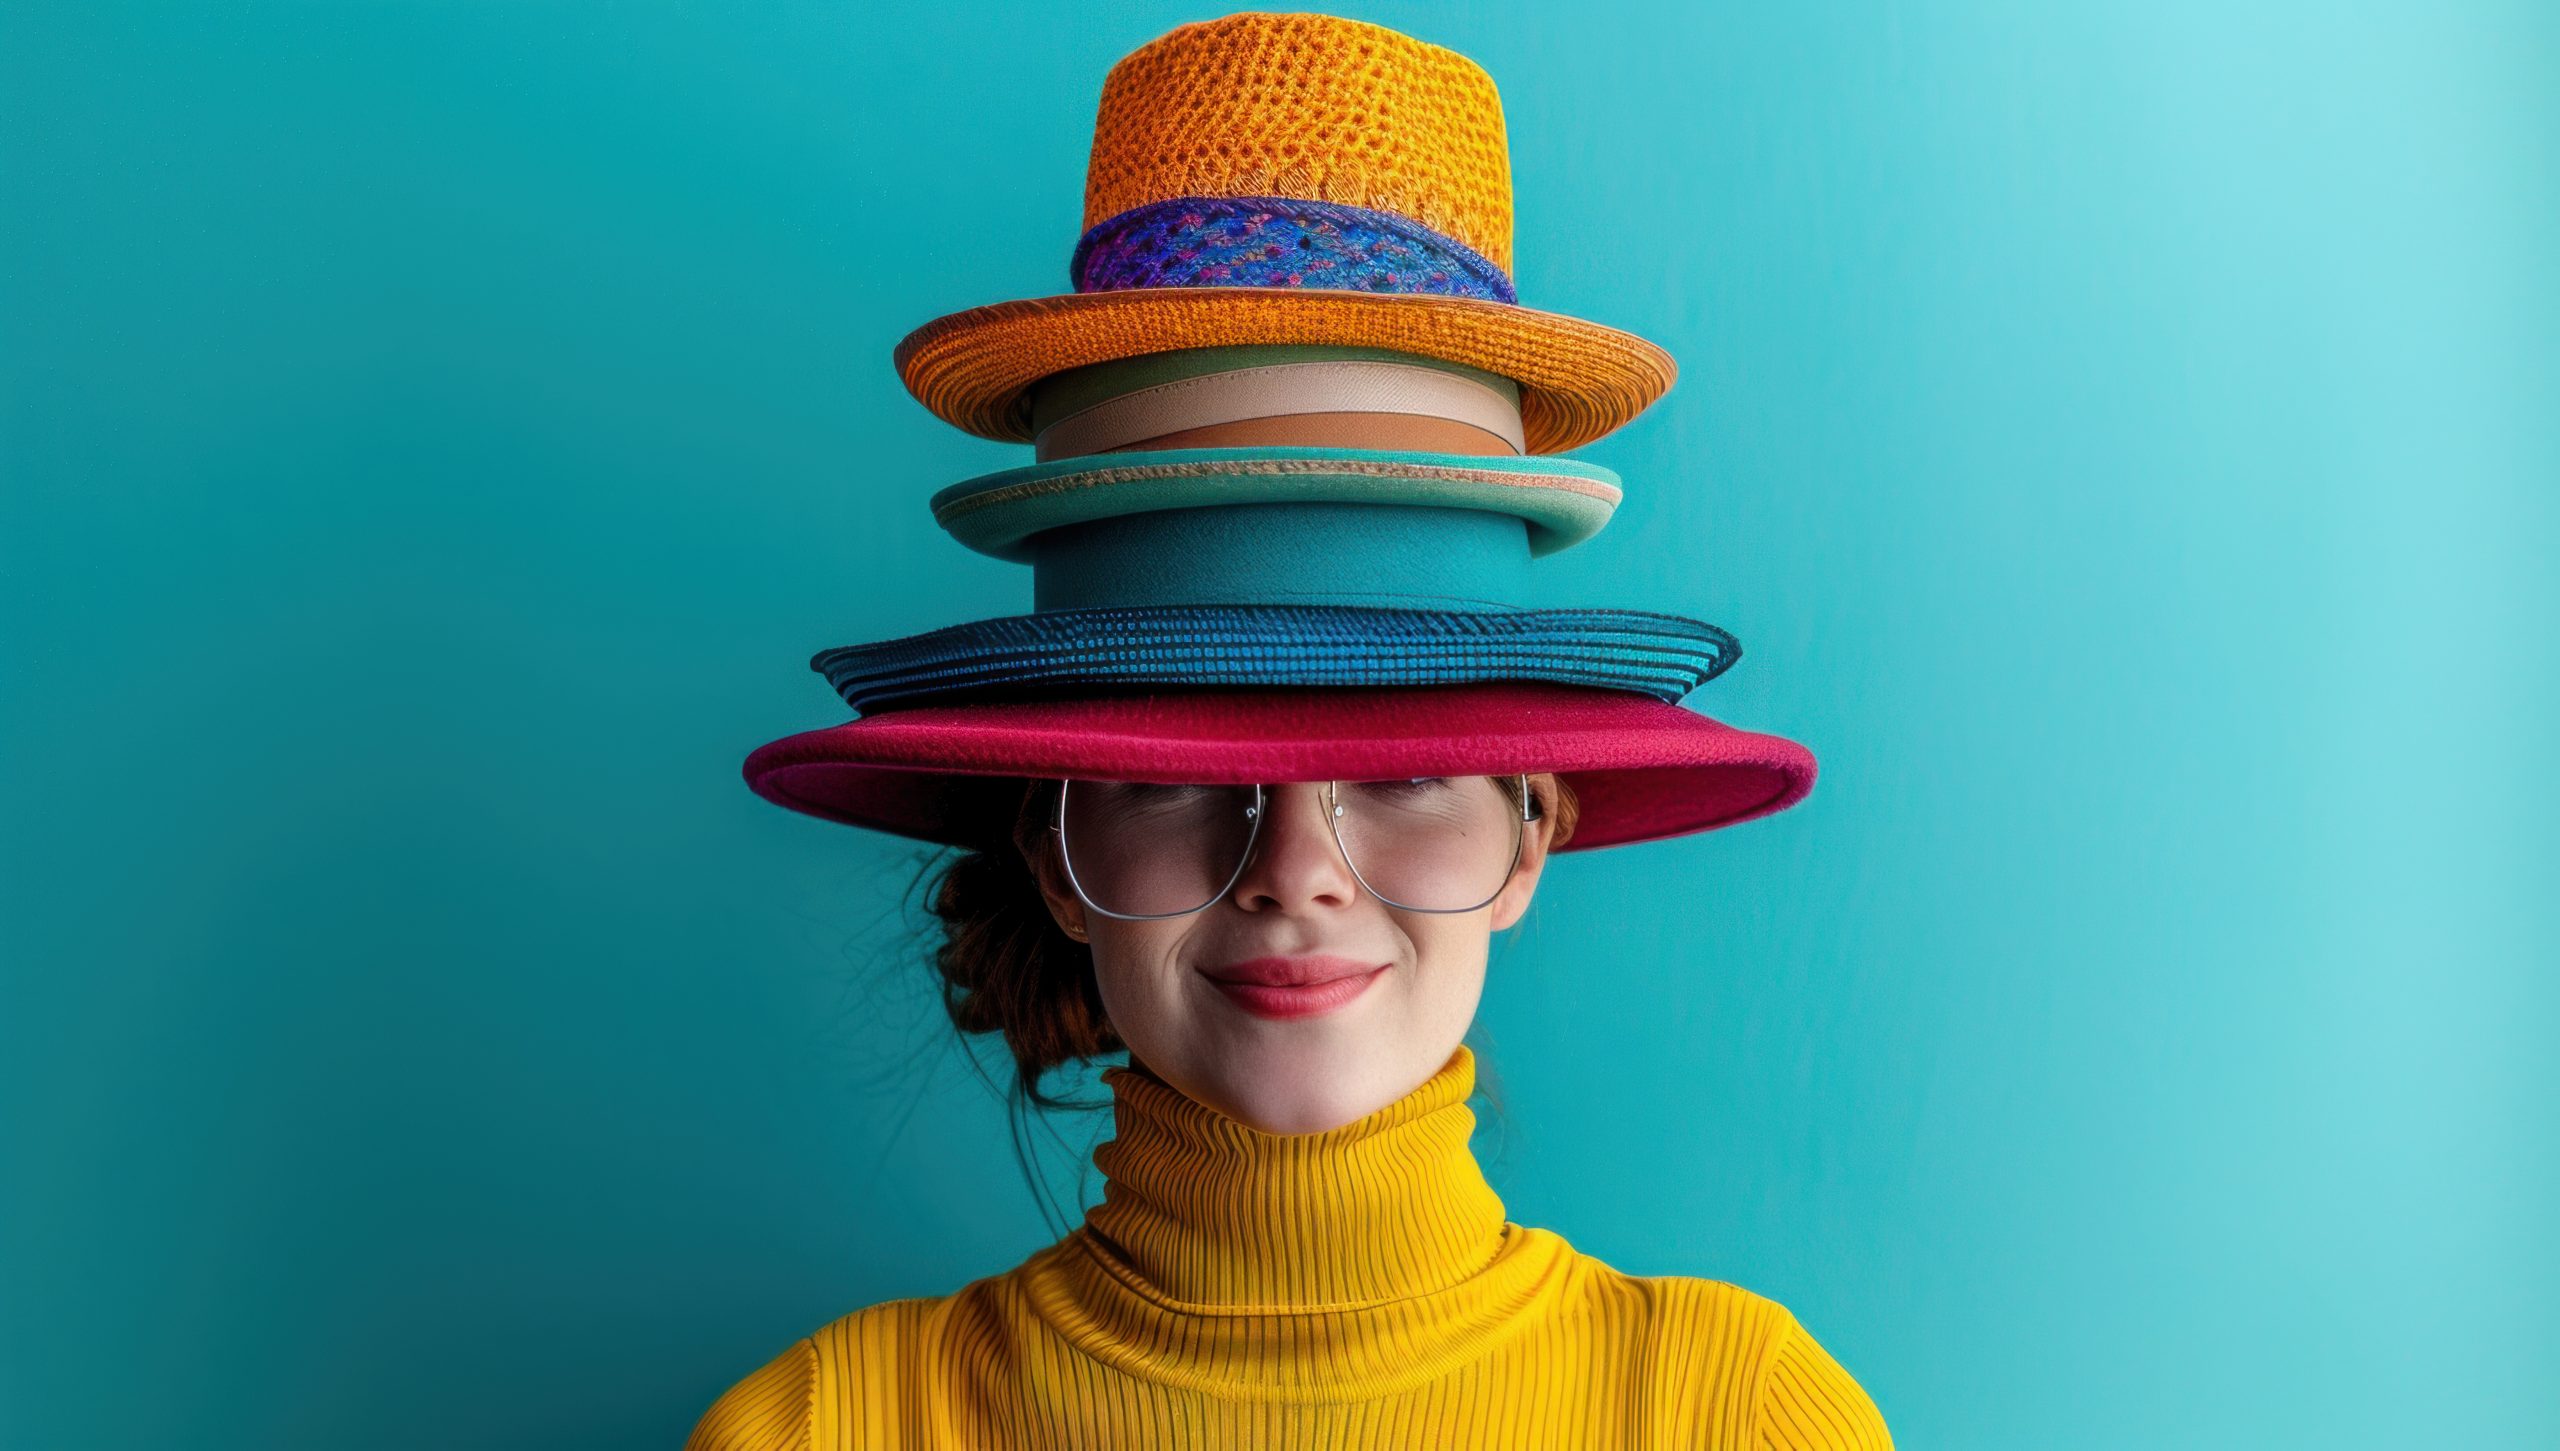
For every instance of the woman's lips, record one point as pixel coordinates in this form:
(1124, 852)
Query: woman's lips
(1300, 1000)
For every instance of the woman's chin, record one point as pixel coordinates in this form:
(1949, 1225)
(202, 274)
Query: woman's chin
(1303, 1083)
(1300, 1114)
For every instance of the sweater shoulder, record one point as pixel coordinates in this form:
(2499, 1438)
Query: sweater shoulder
(1689, 1312)
(1743, 1365)
(1762, 1373)
(771, 1409)
(1808, 1401)
(829, 1388)
(882, 1369)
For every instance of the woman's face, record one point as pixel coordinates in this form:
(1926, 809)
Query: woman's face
(1408, 982)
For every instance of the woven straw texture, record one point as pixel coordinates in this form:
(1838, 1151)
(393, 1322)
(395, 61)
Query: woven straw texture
(1643, 651)
(1578, 380)
(1306, 106)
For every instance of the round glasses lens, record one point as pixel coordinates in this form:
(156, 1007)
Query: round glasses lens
(1143, 849)
(1433, 843)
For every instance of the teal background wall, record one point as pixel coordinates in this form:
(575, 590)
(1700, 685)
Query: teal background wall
(436, 436)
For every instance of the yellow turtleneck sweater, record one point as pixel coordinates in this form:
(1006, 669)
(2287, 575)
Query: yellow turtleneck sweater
(1357, 1287)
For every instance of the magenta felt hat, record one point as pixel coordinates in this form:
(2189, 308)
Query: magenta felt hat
(1641, 768)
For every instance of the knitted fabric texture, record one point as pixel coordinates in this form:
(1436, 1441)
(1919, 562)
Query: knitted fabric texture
(1354, 1288)
(1307, 106)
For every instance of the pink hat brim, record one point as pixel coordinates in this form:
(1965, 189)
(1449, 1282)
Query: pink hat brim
(1642, 769)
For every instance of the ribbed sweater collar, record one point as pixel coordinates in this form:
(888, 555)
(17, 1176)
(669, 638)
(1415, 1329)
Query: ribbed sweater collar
(1331, 1267)
(1206, 1210)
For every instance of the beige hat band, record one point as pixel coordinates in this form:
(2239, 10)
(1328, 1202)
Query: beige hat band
(1281, 390)
(1400, 432)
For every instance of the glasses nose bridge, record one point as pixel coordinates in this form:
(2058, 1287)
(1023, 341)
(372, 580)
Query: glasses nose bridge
(1274, 797)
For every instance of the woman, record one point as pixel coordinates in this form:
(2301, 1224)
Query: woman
(1295, 1246)
(1249, 791)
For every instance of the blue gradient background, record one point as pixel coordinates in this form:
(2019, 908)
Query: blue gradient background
(436, 436)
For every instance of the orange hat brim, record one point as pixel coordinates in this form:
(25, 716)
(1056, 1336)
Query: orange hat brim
(1578, 380)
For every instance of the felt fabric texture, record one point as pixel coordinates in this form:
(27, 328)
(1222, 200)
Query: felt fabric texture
(1563, 501)
(1376, 432)
(1393, 556)
(1643, 768)
(1072, 390)
(1277, 390)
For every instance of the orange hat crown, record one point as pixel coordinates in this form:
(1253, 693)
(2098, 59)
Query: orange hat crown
(1293, 180)
(1311, 107)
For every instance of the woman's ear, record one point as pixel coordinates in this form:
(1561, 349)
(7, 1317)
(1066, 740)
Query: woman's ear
(1513, 903)
(1065, 907)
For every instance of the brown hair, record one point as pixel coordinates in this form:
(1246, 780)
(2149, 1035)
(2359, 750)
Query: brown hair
(1005, 964)
(1007, 967)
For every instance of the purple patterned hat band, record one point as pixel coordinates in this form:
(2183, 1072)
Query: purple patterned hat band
(1277, 241)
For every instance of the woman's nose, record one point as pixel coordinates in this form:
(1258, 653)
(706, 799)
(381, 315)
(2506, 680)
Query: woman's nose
(1296, 860)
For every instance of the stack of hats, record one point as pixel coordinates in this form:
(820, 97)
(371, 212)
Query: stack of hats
(1294, 447)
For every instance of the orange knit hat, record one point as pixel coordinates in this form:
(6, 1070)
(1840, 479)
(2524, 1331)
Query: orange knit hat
(1267, 178)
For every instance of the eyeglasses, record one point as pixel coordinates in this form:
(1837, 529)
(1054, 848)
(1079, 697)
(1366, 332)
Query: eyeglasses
(1140, 850)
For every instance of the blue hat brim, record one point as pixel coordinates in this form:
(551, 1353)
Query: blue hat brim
(1024, 656)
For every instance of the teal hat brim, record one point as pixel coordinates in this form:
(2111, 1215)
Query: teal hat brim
(1562, 501)
(1394, 555)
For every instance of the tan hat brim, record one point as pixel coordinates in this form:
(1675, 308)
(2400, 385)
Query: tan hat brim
(1578, 380)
